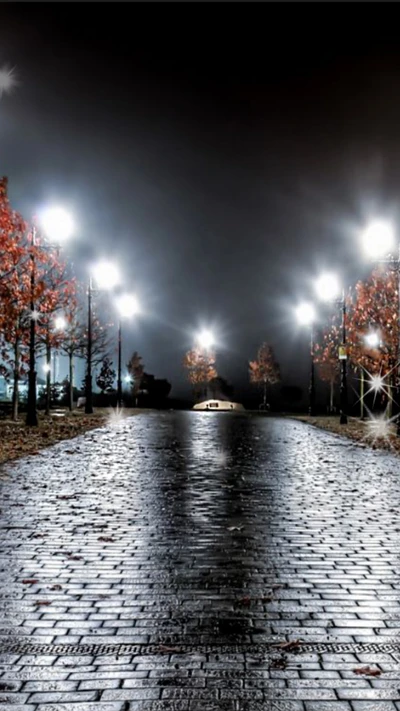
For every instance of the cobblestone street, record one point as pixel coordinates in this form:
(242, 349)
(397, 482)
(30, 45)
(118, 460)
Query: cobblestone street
(161, 563)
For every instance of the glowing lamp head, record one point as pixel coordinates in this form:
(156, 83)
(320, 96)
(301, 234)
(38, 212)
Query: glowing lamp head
(327, 287)
(305, 314)
(128, 379)
(106, 275)
(60, 323)
(47, 367)
(378, 239)
(57, 224)
(127, 305)
(372, 339)
(205, 339)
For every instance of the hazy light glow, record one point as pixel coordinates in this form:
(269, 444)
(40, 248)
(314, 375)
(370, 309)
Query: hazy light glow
(305, 314)
(106, 275)
(205, 339)
(327, 287)
(8, 80)
(47, 367)
(128, 379)
(127, 305)
(372, 339)
(378, 239)
(60, 323)
(57, 224)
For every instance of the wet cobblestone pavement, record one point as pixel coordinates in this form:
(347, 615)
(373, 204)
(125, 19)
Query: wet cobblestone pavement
(156, 565)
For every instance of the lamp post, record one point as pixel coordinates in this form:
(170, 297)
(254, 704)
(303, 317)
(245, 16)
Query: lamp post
(328, 289)
(127, 306)
(378, 241)
(57, 226)
(106, 276)
(306, 315)
(31, 413)
(205, 341)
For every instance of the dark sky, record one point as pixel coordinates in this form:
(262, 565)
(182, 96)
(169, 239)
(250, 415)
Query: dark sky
(222, 153)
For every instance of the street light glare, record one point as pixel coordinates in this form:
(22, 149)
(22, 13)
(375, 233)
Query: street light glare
(372, 339)
(57, 224)
(128, 378)
(377, 382)
(327, 287)
(60, 323)
(47, 367)
(106, 275)
(127, 305)
(205, 339)
(305, 313)
(378, 239)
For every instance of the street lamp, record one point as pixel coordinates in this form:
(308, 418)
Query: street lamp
(60, 323)
(378, 240)
(106, 275)
(205, 339)
(57, 227)
(305, 314)
(127, 306)
(328, 289)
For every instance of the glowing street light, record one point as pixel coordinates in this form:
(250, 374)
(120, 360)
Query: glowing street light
(327, 287)
(60, 323)
(128, 378)
(106, 276)
(305, 314)
(57, 226)
(205, 339)
(372, 339)
(378, 239)
(47, 367)
(127, 306)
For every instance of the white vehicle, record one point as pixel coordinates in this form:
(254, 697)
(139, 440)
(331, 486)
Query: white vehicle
(219, 406)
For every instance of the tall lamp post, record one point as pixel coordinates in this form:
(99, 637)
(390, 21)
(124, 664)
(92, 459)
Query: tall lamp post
(328, 289)
(378, 242)
(306, 315)
(127, 306)
(106, 276)
(57, 226)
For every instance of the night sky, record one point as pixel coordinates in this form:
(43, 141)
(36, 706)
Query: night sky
(224, 154)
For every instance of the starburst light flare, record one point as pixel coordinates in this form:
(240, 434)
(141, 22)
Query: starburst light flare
(8, 79)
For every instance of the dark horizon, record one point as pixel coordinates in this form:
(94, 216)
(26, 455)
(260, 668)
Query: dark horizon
(225, 156)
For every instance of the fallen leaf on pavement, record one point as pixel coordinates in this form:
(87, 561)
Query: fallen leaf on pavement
(367, 671)
(30, 581)
(288, 646)
(42, 602)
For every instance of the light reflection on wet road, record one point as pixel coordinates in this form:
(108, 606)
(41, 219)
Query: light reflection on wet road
(201, 529)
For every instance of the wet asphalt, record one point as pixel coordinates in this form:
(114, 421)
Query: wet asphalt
(185, 561)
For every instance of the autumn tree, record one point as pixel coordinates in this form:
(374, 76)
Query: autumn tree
(200, 366)
(58, 297)
(374, 304)
(106, 377)
(264, 371)
(326, 357)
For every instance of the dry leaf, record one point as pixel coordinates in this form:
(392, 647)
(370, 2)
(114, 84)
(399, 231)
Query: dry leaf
(367, 671)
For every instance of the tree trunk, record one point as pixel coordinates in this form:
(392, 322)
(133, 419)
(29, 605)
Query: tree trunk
(15, 395)
(331, 395)
(71, 381)
(48, 378)
(265, 395)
